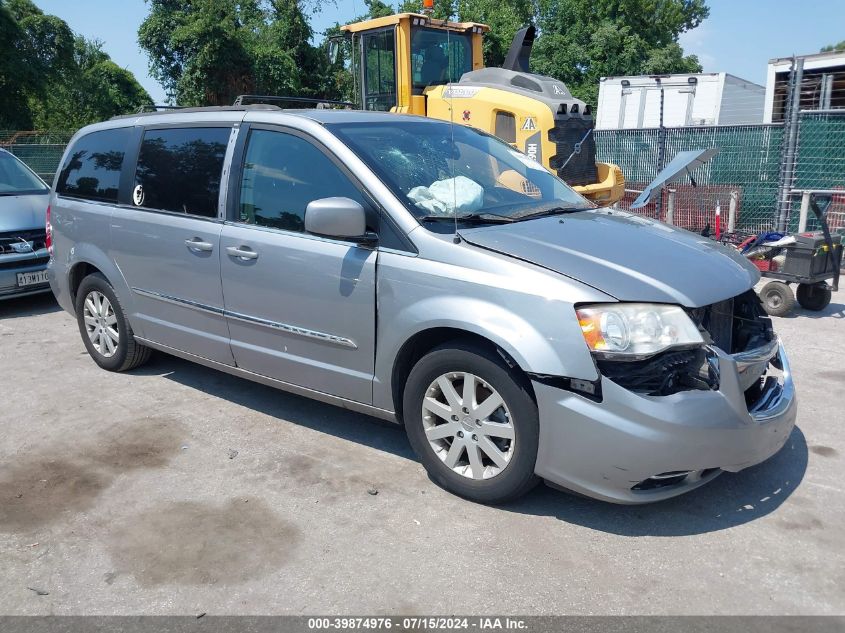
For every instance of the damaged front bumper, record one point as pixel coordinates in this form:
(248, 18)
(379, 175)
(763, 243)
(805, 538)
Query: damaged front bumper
(634, 448)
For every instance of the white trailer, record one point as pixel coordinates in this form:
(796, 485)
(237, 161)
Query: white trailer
(822, 84)
(688, 100)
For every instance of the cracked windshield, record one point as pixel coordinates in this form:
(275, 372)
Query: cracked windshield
(475, 176)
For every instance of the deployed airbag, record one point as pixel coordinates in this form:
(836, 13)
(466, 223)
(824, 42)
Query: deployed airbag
(446, 197)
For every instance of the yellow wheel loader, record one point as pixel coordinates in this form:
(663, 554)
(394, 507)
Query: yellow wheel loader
(415, 64)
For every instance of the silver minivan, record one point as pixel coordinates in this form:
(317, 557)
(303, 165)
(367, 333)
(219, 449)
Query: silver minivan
(424, 273)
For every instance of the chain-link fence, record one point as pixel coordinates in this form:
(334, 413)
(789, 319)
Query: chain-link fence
(820, 164)
(42, 151)
(744, 171)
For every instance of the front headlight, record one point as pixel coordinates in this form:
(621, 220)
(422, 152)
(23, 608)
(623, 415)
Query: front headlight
(635, 330)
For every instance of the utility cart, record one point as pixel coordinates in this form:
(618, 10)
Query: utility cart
(806, 259)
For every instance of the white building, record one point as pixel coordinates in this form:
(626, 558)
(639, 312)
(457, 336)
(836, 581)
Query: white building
(689, 100)
(822, 86)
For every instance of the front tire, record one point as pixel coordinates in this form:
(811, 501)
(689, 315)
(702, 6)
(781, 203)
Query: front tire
(106, 333)
(473, 424)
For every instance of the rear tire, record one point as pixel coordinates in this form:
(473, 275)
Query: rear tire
(469, 444)
(106, 333)
(777, 297)
(814, 297)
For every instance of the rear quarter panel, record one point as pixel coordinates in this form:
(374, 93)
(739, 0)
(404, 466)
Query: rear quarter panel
(82, 234)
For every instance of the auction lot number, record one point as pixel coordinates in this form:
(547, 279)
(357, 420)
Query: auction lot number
(416, 623)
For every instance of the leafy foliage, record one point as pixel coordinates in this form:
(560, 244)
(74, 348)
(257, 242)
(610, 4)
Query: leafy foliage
(833, 48)
(92, 89)
(50, 78)
(504, 20)
(206, 52)
(581, 42)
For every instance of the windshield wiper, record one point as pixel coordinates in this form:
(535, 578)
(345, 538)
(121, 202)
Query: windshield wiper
(25, 192)
(475, 218)
(547, 212)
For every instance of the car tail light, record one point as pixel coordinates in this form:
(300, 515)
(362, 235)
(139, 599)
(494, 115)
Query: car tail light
(48, 226)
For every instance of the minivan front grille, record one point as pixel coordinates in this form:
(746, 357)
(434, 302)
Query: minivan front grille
(11, 242)
(735, 325)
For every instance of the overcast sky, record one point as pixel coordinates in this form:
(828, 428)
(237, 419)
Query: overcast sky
(739, 37)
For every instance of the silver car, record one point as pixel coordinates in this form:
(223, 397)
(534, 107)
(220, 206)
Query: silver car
(23, 248)
(427, 274)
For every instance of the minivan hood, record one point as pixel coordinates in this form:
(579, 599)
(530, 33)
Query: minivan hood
(626, 256)
(24, 212)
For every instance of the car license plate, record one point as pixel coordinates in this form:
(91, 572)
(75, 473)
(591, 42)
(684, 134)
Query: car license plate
(32, 279)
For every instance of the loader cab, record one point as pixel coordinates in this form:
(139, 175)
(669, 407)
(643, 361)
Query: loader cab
(398, 57)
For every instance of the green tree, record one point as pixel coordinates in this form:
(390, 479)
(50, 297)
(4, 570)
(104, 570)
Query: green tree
(197, 48)
(50, 78)
(833, 48)
(47, 43)
(35, 50)
(14, 74)
(93, 89)
(206, 52)
(378, 9)
(503, 18)
(580, 42)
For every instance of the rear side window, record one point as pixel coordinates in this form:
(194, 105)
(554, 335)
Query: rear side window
(179, 170)
(92, 167)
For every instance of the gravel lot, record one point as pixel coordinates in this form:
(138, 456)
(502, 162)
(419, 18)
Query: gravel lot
(175, 489)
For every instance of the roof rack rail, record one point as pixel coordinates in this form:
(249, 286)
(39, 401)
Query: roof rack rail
(154, 107)
(186, 109)
(264, 98)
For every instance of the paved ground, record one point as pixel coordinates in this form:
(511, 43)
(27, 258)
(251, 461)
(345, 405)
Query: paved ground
(176, 489)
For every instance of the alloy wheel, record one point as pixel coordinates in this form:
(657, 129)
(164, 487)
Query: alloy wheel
(101, 323)
(468, 425)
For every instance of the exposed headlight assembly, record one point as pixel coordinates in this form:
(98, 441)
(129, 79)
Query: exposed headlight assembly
(635, 330)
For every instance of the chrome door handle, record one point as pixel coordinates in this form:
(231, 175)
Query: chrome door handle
(196, 244)
(236, 251)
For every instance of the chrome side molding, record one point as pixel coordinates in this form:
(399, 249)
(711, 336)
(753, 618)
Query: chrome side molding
(292, 329)
(332, 339)
(202, 307)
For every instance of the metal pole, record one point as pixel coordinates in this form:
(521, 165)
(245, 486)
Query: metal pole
(791, 139)
(670, 207)
(827, 91)
(805, 210)
(661, 149)
(732, 211)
